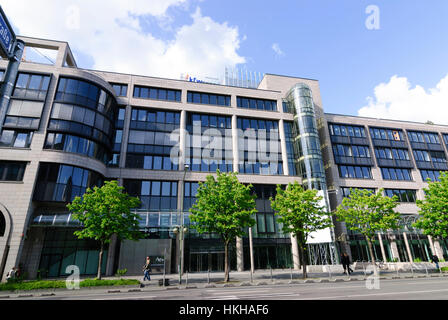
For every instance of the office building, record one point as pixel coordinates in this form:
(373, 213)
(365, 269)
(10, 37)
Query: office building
(68, 129)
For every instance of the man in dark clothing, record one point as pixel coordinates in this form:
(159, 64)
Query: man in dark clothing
(435, 259)
(345, 260)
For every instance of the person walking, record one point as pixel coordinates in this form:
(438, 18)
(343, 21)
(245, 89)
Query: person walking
(435, 259)
(147, 269)
(345, 260)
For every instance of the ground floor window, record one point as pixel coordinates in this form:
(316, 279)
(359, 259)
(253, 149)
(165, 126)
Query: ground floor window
(61, 249)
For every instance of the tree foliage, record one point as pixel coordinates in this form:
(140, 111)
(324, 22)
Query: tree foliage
(300, 212)
(223, 206)
(367, 213)
(104, 212)
(433, 212)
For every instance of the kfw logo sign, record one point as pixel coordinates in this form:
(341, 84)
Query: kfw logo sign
(189, 78)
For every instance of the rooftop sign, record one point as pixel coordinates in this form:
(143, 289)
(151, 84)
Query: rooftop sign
(7, 36)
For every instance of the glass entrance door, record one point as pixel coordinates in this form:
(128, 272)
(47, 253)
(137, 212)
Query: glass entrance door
(204, 261)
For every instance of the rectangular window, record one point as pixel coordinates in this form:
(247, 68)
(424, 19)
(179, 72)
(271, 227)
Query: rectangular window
(207, 98)
(12, 171)
(355, 172)
(157, 93)
(347, 130)
(259, 104)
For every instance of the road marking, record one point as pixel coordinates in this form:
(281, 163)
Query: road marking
(258, 295)
(242, 291)
(376, 294)
(226, 298)
(125, 298)
(346, 287)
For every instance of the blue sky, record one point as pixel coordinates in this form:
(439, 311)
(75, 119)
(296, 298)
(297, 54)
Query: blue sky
(328, 41)
(396, 71)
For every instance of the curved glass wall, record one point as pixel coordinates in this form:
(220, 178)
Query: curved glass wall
(86, 114)
(62, 183)
(309, 156)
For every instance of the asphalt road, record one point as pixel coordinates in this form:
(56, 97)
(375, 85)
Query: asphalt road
(433, 288)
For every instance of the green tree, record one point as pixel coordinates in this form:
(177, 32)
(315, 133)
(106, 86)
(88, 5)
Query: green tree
(104, 212)
(301, 214)
(366, 212)
(224, 206)
(433, 211)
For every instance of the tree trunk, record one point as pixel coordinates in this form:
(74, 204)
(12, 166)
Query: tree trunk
(303, 262)
(100, 260)
(226, 261)
(369, 244)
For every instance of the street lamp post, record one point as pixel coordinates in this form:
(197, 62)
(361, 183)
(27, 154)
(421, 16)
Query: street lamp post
(181, 229)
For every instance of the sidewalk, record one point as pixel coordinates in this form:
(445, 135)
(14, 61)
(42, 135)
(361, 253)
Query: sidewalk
(215, 280)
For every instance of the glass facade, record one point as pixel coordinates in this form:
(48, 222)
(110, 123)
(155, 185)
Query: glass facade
(62, 183)
(396, 174)
(310, 163)
(433, 175)
(153, 137)
(347, 130)
(292, 148)
(12, 171)
(258, 104)
(259, 147)
(121, 90)
(208, 98)
(355, 172)
(157, 93)
(154, 195)
(61, 248)
(386, 134)
(209, 144)
(402, 194)
(74, 144)
(16, 138)
(82, 119)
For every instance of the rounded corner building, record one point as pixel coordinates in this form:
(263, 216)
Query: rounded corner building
(64, 129)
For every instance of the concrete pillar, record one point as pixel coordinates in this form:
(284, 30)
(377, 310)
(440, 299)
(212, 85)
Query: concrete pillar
(295, 252)
(239, 255)
(182, 140)
(438, 249)
(431, 245)
(239, 241)
(394, 249)
(111, 256)
(251, 249)
(383, 253)
(408, 249)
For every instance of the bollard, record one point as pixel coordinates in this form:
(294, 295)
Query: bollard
(364, 268)
(272, 280)
(208, 276)
(186, 282)
(251, 276)
(329, 271)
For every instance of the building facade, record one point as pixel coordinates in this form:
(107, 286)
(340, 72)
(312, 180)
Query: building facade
(68, 129)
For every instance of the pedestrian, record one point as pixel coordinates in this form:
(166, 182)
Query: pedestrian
(147, 269)
(345, 260)
(435, 259)
(11, 275)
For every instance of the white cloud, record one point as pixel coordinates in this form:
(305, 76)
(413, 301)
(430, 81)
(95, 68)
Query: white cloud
(110, 33)
(398, 100)
(277, 50)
